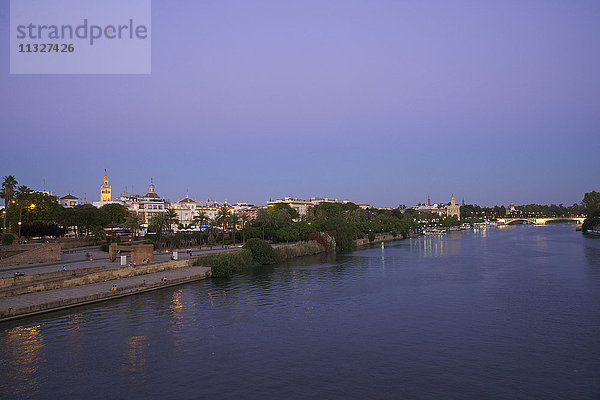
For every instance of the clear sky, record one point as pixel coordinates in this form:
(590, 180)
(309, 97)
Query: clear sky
(380, 101)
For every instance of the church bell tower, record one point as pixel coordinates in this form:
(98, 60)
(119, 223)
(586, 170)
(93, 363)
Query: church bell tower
(105, 190)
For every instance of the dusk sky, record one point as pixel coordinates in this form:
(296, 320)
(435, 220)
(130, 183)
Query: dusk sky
(380, 101)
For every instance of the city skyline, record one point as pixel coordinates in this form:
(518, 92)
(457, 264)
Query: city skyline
(129, 191)
(384, 102)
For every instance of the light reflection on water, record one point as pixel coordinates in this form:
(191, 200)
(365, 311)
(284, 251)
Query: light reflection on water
(23, 349)
(508, 313)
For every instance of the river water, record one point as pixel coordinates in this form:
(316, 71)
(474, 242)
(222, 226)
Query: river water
(510, 313)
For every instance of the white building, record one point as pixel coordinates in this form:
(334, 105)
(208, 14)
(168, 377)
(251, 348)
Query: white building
(185, 210)
(211, 209)
(68, 201)
(146, 206)
(302, 206)
(299, 205)
(319, 200)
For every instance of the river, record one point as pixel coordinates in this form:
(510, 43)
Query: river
(510, 313)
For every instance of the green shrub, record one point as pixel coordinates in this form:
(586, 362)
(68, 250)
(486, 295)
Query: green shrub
(223, 265)
(7, 239)
(371, 236)
(262, 252)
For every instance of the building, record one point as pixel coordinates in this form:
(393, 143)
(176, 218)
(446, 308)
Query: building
(147, 206)
(68, 201)
(249, 210)
(46, 192)
(299, 205)
(319, 200)
(430, 208)
(211, 208)
(453, 210)
(105, 189)
(302, 206)
(185, 210)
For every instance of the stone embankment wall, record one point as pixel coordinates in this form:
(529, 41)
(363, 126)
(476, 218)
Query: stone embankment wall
(378, 239)
(22, 280)
(33, 309)
(45, 253)
(13, 249)
(94, 277)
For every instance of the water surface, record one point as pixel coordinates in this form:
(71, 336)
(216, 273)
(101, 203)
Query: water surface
(509, 313)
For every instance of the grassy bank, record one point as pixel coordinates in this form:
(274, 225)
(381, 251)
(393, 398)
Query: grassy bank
(256, 252)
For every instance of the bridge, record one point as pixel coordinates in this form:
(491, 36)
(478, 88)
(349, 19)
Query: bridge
(538, 221)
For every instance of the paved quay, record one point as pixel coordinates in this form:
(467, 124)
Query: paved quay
(50, 300)
(78, 260)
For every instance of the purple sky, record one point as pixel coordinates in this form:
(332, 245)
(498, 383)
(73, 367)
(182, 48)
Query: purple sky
(380, 101)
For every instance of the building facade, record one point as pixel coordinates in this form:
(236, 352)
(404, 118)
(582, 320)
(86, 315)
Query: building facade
(249, 210)
(299, 205)
(185, 210)
(68, 201)
(147, 206)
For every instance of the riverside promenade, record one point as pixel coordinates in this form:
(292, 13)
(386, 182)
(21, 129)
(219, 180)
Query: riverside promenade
(50, 300)
(76, 280)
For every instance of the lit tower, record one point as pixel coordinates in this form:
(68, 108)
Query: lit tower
(105, 191)
(453, 209)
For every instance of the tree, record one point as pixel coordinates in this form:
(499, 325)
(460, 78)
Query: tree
(98, 233)
(8, 190)
(591, 202)
(222, 219)
(87, 216)
(265, 218)
(234, 220)
(289, 233)
(277, 208)
(244, 220)
(113, 214)
(133, 223)
(158, 224)
(200, 219)
(172, 219)
(22, 195)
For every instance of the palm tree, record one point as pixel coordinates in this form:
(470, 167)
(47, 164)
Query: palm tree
(8, 190)
(133, 223)
(211, 230)
(244, 219)
(172, 219)
(234, 220)
(222, 219)
(158, 224)
(200, 219)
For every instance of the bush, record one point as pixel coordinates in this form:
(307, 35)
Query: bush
(7, 239)
(371, 236)
(223, 265)
(262, 252)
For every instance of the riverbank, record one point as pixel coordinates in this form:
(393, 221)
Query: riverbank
(28, 295)
(34, 303)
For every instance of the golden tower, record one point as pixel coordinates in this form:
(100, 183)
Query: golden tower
(105, 194)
